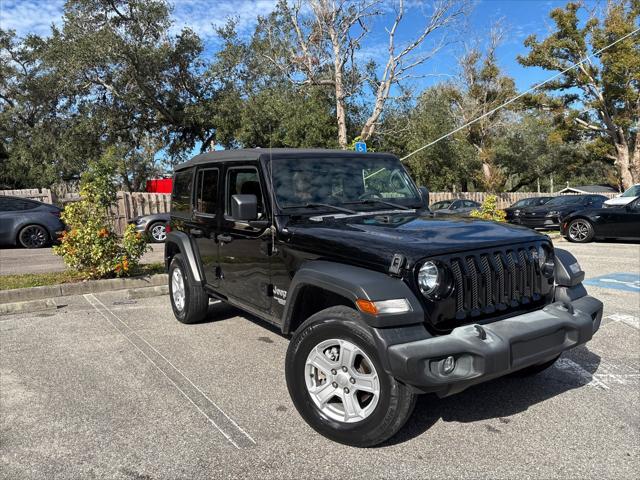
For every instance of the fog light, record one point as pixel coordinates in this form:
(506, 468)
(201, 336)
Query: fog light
(448, 365)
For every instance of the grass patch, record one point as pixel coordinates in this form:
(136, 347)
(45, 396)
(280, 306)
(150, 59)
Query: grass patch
(27, 280)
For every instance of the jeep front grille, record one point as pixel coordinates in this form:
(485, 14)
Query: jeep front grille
(492, 282)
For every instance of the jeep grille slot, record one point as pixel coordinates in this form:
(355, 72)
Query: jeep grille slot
(493, 281)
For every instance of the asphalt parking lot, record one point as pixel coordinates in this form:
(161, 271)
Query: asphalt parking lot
(112, 388)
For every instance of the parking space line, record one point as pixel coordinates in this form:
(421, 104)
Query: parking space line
(630, 320)
(238, 437)
(574, 369)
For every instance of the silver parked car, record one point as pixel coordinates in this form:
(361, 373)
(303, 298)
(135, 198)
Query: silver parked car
(28, 223)
(154, 226)
(454, 207)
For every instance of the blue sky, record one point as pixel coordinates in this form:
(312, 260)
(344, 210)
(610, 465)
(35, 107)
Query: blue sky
(519, 17)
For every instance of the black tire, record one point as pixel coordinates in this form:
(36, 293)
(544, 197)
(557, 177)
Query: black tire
(151, 234)
(580, 230)
(196, 301)
(535, 369)
(33, 236)
(396, 401)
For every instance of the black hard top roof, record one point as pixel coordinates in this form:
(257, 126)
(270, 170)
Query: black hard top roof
(248, 154)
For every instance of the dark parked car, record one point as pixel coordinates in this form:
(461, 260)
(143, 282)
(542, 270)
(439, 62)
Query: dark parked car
(550, 215)
(513, 212)
(454, 207)
(382, 300)
(28, 223)
(621, 223)
(153, 225)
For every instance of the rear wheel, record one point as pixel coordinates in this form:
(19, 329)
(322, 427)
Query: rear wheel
(337, 383)
(33, 236)
(189, 300)
(580, 231)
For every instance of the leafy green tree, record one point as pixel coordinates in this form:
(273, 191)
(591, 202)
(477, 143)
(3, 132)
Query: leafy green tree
(605, 90)
(481, 88)
(450, 164)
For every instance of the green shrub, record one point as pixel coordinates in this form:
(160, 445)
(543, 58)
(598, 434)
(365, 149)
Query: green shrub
(489, 210)
(90, 245)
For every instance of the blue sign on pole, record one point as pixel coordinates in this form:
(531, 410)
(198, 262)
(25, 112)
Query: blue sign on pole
(361, 147)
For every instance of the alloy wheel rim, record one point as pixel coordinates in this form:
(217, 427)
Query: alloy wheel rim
(177, 289)
(159, 232)
(342, 381)
(33, 236)
(579, 231)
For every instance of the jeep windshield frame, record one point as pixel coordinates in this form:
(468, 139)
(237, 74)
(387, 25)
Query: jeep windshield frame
(342, 182)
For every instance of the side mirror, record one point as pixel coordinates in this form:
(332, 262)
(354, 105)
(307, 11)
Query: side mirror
(244, 207)
(424, 193)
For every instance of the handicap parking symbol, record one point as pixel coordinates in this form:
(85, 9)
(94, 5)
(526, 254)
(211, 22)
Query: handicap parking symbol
(629, 282)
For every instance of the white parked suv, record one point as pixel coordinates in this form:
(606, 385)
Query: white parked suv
(628, 196)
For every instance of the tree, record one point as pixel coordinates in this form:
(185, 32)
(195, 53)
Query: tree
(481, 88)
(450, 164)
(317, 47)
(607, 89)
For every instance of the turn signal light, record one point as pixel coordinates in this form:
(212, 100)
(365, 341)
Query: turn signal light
(367, 306)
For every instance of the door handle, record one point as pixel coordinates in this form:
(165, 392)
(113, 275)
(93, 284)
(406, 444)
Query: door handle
(196, 232)
(224, 238)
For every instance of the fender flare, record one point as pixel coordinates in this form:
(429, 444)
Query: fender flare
(354, 283)
(183, 243)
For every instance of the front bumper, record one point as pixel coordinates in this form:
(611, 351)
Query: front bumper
(141, 226)
(540, 222)
(509, 345)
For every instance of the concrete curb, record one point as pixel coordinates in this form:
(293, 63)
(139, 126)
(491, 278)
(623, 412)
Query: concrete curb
(89, 286)
(29, 306)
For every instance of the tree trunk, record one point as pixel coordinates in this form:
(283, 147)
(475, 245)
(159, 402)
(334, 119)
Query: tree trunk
(626, 165)
(341, 115)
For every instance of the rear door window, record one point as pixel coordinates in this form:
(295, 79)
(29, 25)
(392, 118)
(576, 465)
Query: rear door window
(207, 191)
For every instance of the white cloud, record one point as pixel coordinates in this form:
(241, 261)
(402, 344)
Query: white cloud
(202, 16)
(30, 16)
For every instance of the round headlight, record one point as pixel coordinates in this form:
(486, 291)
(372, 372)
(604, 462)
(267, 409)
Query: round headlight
(546, 261)
(429, 278)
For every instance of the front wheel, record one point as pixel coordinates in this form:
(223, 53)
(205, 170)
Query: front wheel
(33, 236)
(337, 383)
(580, 231)
(158, 232)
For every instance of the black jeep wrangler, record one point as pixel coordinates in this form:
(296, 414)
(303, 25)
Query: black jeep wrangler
(382, 299)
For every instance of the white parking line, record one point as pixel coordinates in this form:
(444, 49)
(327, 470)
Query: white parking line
(630, 320)
(242, 438)
(574, 369)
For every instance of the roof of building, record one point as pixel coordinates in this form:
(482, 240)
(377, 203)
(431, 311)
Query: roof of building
(590, 189)
(257, 153)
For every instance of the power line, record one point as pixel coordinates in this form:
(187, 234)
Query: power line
(521, 94)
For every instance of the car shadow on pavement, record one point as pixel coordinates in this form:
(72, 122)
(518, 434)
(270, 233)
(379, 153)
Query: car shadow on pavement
(499, 399)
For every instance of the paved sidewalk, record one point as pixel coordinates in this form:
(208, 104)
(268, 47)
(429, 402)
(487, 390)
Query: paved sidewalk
(42, 260)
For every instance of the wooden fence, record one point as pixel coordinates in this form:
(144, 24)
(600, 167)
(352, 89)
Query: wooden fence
(43, 195)
(130, 205)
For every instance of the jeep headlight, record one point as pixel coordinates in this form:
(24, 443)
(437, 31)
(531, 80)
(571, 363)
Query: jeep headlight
(547, 261)
(434, 280)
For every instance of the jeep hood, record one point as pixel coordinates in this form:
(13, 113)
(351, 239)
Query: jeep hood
(373, 240)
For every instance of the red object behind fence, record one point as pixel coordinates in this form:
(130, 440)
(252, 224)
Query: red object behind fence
(159, 185)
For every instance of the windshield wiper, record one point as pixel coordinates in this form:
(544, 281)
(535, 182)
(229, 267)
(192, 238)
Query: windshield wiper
(325, 205)
(369, 201)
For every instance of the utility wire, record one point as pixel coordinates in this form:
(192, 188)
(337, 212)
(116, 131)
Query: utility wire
(521, 95)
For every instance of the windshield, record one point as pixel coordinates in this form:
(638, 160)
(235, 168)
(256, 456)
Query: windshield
(343, 181)
(521, 203)
(566, 200)
(632, 192)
